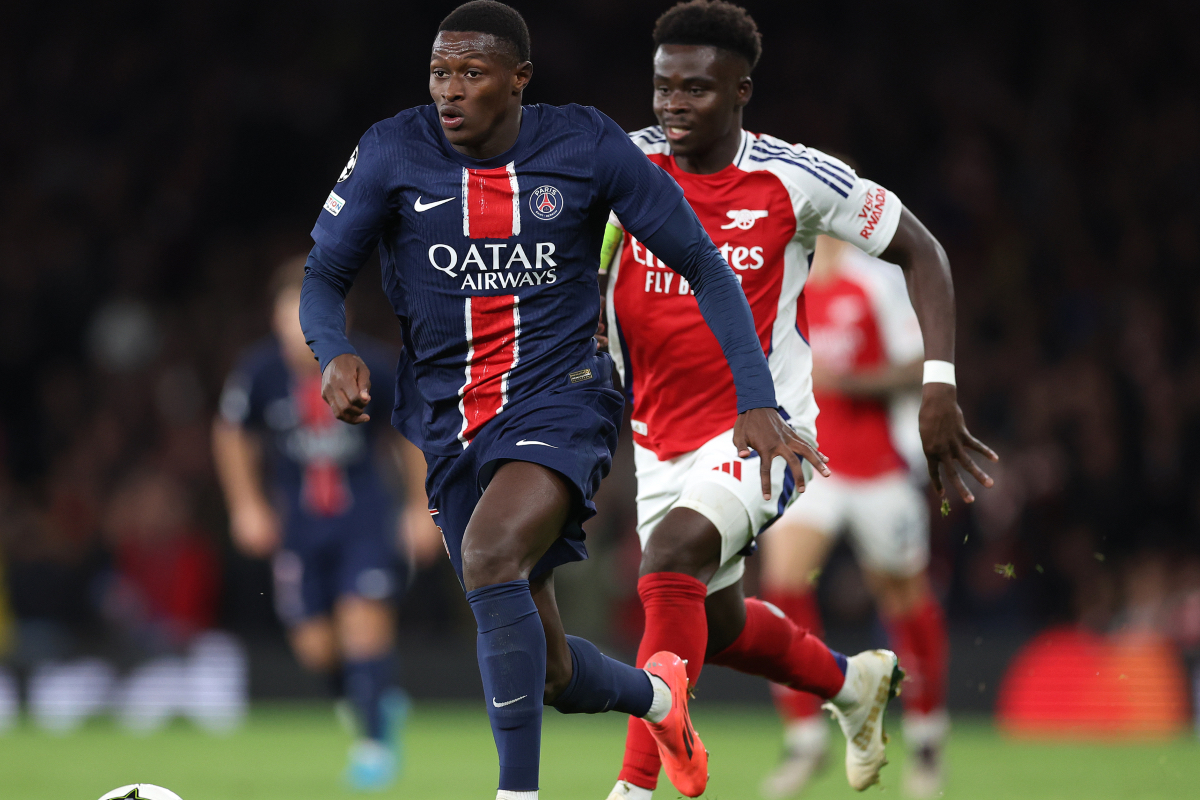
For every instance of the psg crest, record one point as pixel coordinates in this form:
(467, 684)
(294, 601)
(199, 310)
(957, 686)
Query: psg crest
(349, 166)
(545, 202)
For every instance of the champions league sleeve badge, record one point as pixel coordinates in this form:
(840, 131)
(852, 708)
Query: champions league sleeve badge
(349, 166)
(545, 202)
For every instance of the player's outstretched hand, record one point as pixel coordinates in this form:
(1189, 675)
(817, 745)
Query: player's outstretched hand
(946, 440)
(765, 432)
(346, 387)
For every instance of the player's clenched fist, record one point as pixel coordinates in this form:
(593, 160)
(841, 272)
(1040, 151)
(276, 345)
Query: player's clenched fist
(346, 387)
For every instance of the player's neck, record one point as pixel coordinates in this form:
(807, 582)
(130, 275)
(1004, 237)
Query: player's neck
(715, 158)
(499, 139)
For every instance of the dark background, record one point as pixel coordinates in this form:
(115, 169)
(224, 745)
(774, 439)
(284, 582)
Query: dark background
(162, 158)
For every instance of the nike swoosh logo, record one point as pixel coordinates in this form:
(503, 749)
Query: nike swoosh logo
(419, 206)
(507, 702)
(524, 442)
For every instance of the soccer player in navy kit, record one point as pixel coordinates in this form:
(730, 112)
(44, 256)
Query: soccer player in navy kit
(489, 216)
(325, 516)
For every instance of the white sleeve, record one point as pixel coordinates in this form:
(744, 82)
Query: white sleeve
(845, 206)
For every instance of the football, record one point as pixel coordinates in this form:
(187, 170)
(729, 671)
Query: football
(141, 791)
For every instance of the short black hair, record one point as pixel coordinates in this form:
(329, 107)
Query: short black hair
(711, 22)
(488, 16)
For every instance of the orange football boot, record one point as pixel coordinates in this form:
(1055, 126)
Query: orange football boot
(683, 755)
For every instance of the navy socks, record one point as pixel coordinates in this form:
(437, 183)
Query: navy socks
(366, 682)
(511, 648)
(512, 661)
(598, 683)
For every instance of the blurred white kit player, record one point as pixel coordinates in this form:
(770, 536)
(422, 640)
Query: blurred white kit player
(868, 356)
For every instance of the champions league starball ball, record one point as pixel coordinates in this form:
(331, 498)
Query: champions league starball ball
(141, 791)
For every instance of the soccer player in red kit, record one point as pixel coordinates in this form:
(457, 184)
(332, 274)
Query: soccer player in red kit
(763, 201)
(867, 354)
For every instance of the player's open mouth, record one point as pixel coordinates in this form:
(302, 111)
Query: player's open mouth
(675, 133)
(451, 121)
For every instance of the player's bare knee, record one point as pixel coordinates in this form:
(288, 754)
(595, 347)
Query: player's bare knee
(489, 565)
(365, 628)
(898, 595)
(684, 542)
(314, 645)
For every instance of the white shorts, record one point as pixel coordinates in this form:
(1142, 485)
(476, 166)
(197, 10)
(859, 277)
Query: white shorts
(713, 481)
(886, 517)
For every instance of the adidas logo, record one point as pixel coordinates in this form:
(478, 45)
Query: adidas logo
(733, 468)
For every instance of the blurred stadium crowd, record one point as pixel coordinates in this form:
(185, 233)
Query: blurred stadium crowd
(163, 158)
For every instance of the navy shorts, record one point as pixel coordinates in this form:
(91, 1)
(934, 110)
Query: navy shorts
(572, 430)
(323, 560)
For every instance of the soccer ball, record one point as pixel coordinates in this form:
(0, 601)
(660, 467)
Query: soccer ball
(141, 791)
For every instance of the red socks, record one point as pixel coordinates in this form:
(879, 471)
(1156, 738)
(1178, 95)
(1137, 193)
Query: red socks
(771, 645)
(919, 638)
(676, 622)
(801, 608)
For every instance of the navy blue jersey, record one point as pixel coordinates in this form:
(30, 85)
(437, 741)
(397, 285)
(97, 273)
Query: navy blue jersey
(490, 265)
(319, 467)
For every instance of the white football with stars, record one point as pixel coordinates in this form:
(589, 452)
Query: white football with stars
(141, 791)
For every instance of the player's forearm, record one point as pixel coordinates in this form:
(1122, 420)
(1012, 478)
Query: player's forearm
(930, 286)
(682, 243)
(323, 306)
(882, 383)
(236, 460)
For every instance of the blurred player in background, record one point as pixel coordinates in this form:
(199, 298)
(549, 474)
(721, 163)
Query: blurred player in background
(310, 492)
(867, 354)
(763, 202)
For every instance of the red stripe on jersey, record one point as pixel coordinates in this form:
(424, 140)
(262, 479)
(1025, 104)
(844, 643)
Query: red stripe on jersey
(490, 203)
(493, 329)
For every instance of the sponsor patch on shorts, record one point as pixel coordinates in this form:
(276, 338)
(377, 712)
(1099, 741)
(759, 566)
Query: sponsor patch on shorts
(639, 427)
(581, 375)
(334, 204)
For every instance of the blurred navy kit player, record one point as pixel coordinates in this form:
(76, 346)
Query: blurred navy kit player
(310, 492)
(489, 216)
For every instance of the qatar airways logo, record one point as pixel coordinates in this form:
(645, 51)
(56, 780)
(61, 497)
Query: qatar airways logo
(872, 210)
(504, 266)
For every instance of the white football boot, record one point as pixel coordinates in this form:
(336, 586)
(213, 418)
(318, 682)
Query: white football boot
(925, 737)
(624, 790)
(872, 679)
(806, 746)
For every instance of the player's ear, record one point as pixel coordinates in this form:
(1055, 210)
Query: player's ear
(521, 76)
(745, 91)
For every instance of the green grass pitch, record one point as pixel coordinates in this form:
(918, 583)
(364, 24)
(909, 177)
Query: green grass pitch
(296, 753)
